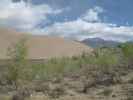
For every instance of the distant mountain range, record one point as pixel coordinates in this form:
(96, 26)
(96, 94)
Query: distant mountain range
(98, 42)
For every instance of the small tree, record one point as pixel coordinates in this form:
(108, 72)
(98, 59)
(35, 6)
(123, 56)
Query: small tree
(18, 55)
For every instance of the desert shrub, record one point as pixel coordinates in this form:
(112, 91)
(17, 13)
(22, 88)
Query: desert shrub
(108, 62)
(127, 50)
(106, 92)
(38, 71)
(105, 58)
(18, 67)
(55, 67)
(103, 67)
(51, 68)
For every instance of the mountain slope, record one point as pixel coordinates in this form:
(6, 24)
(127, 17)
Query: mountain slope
(97, 42)
(41, 47)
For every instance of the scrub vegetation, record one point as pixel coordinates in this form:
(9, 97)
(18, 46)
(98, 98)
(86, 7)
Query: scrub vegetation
(106, 71)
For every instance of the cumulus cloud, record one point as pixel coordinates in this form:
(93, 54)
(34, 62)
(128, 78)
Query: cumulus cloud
(27, 18)
(89, 25)
(21, 16)
(82, 29)
(92, 15)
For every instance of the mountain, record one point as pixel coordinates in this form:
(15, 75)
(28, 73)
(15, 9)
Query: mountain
(41, 47)
(98, 42)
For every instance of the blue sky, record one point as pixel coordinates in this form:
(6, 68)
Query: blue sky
(75, 19)
(116, 11)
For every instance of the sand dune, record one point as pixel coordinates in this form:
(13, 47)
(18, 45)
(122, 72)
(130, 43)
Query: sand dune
(41, 47)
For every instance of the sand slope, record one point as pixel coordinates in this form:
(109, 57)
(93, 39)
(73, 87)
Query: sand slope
(41, 47)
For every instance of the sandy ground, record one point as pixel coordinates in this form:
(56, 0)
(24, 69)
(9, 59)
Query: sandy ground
(41, 47)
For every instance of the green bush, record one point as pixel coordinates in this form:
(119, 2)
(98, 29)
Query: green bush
(127, 50)
(55, 67)
(105, 57)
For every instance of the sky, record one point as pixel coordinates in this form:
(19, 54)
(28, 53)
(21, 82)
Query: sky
(74, 19)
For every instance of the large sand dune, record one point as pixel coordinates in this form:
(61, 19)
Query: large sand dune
(41, 47)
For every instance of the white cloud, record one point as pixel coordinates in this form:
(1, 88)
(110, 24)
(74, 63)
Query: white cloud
(92, 15)
(81, 29)
(24, 17)
(89, 24)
